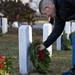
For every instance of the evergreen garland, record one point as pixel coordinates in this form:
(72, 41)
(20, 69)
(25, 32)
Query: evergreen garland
(65, 42)
(40, 59)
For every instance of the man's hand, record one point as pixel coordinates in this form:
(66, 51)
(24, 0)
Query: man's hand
(41, 47)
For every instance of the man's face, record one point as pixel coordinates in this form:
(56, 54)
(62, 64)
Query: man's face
(49, 10)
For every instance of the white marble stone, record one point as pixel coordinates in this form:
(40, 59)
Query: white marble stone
(73, 26)
(67, 29)
(30, 34)
(4, 25)
(58, 43)
(25, 1)
(15, 24)
(0, 22)
(47, 29)
(25, 38)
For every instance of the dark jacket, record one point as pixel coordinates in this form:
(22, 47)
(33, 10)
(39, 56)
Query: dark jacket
(65, 11)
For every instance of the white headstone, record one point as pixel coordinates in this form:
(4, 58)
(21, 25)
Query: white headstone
(67, 29)
(30, 34)
(25, 38)
(58, 43)
(4, 26)
(15, 24)
(73, 26)
(25, 1)
(47, 29)
(0, 22)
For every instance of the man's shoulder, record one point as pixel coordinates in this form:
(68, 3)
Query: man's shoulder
(59, 19)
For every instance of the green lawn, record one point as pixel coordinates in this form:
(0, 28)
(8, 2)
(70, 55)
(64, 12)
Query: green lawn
(61, 60)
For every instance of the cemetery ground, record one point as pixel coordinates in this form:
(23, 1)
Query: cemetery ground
(60, 62)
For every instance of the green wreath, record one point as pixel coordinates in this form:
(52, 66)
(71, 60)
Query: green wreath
(40, 59)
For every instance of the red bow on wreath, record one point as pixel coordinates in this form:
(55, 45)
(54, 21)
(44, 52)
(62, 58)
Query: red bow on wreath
(40, 54)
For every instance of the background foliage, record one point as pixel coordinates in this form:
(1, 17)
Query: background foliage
(65, 42)
(16, 11)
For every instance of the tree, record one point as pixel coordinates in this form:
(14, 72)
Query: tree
(16, 11)
(29, 14)
(65, 42)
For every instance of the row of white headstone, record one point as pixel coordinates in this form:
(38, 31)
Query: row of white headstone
(68, 28)
(25, 38)
(46, 31)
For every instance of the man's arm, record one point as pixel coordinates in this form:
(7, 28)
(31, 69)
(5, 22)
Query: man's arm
(56, 32)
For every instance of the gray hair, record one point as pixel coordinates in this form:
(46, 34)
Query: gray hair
(42, 3)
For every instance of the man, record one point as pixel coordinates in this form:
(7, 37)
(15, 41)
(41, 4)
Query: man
(61, 11)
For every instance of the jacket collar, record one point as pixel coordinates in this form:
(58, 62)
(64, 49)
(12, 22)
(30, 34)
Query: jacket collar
(56, 4)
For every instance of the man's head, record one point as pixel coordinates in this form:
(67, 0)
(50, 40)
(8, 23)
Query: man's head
(47, 7)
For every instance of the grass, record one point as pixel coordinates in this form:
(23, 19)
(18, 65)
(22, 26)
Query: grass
(61, 60)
